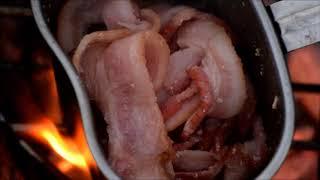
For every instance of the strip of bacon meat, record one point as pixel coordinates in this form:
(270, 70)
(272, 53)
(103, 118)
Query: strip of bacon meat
(113, 65)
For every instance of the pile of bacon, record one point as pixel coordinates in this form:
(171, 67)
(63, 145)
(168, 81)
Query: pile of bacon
(170, 86)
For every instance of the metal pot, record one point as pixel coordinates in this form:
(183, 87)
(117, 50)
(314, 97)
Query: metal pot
(258, 47)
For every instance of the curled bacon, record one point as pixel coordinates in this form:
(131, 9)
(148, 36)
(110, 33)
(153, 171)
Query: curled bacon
(202, 82)
(74, 19)
(174, 103)
(151, 17)
(186, 110)
(176, 21)
(125, 95)
(193, 160)
(126, 14)
(199, 84)
(192, 141)
(210, 173)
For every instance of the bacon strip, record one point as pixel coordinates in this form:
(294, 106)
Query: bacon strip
(118, 80)
(193, 160)
(202, 82)
(74, 20)
(174, 103)
(126, 14)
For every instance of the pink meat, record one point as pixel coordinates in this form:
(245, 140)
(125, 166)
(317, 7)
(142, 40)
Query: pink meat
(126, 13)
(118, 80)
(173, 15)
(209, 173)
(193, 160)
(167, 12)
(180, 61)
(221, 64)
(182, 15)
(204, 40)
(77, 16)
(180, 117)
(152, 18)
(74, 19)
(157, 54)
(172, 18)
(97, 42)
(120, 11)
(198, 33)
(192, 141)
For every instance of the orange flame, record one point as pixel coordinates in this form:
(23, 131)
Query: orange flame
(68, 153)
(64, 148)
(73, 150)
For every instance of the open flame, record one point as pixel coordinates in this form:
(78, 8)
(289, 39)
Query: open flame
(74, 158)
(41, 126)
(64, 146)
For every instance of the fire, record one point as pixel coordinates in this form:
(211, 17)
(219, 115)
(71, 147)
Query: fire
(74, 158)
(64, 148)
(41, 127)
